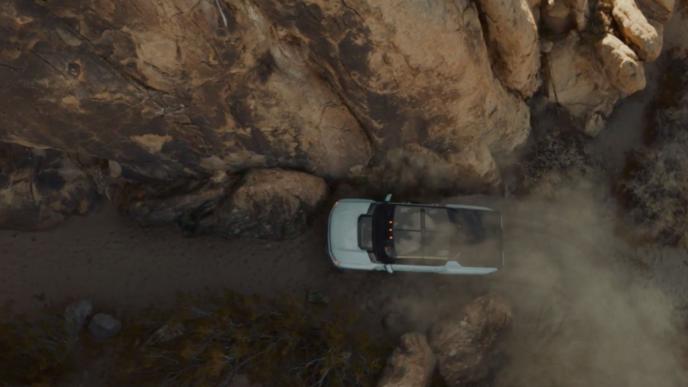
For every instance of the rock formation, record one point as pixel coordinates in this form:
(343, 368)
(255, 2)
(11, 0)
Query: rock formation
(465, 344)
(513, 34)
(645, 37)
(269, 203)
(176, 101)
(624, 70)
(39, 188)
(411, 364)
(590, 70)
(578, 82)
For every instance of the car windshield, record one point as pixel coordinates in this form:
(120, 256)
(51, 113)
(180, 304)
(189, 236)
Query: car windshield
(432, 233)
(365, 232)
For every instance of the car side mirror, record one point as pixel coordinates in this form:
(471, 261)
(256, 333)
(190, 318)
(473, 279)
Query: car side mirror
(388, 197)
(389, 269)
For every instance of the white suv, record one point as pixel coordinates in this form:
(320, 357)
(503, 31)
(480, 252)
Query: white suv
(449, 239)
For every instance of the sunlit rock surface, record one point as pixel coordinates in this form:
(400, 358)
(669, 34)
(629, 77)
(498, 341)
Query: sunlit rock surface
(181, 98)
(465, 344)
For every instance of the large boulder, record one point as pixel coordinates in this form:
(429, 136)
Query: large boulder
(578, 81)
(646, 37)
(411, 364)
(623, 68)
(185, 203)
(465, 344)
(513, 34)
(39, 188)
(269, 203)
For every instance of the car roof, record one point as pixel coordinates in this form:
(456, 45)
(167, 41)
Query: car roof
(428, 235)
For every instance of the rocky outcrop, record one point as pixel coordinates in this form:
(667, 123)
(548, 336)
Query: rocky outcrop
(578, 81)
(135, 87)
(263, 203)
(198, 88)
(589, 71)
(237, 93)
(180, 98)
(645, 37)
(269, 203)
(411, 364)
(513, 35)
(465, 345)
(623, 68)
(40, 188)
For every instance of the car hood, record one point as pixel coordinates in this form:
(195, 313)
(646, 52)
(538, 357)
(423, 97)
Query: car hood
(343, 230)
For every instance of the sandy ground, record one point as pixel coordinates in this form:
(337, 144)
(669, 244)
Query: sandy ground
(113, 261)
(122, 266)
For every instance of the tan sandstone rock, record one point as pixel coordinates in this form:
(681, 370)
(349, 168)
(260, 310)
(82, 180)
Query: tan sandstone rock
(659, 10)
(268, 203)
(578, 82)
(414, 95)
(465, 345)
(411, 364)
(621, 64)
(513, 34)
(645, 39)
(181, 89)
(178, 94)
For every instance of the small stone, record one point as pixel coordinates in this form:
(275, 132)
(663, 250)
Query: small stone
(114, 168)
(103, 326)
(75, 316)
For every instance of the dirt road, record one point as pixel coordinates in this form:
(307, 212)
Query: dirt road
(587, 307)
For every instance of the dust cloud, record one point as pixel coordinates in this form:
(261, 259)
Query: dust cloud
(584, 315)
(586, 311)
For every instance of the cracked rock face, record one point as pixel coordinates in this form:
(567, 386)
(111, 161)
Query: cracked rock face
(179, 89)
(181, 98)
